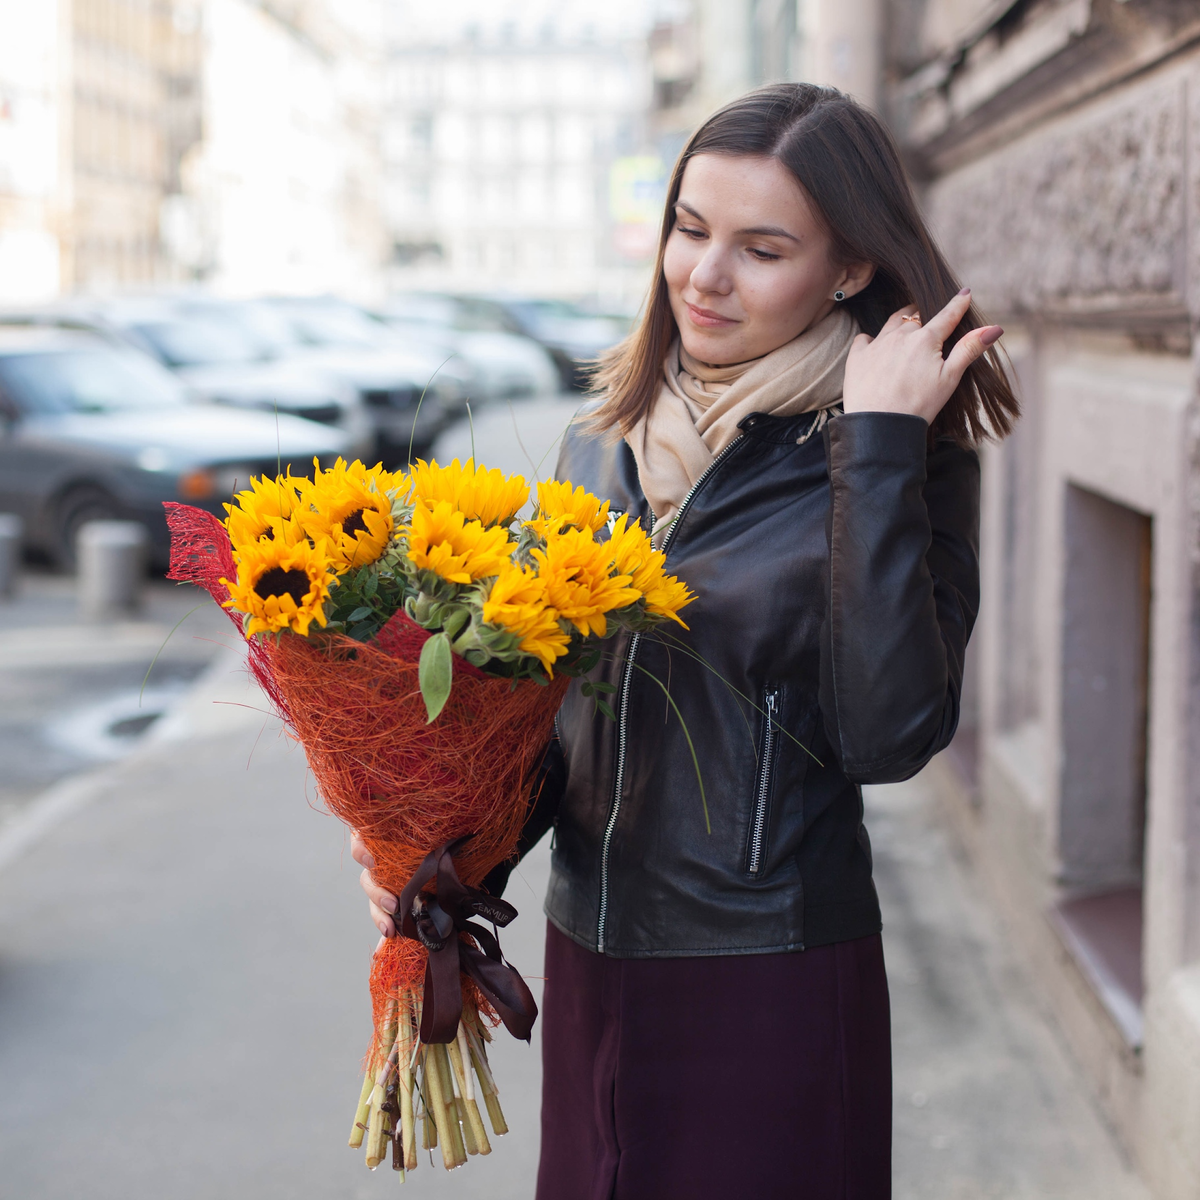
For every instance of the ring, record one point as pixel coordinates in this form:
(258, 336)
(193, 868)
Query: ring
(915, 317)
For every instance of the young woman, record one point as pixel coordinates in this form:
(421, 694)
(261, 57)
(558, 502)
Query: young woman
(794, 417)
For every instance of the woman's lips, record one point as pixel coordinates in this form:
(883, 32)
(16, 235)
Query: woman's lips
(708, 319)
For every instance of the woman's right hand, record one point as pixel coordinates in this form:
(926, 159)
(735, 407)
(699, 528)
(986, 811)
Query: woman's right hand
(382, 903)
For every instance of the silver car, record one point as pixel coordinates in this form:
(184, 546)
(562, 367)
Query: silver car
(91, 430)
(217, 357)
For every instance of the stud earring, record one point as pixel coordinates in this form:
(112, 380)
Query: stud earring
(839, 295)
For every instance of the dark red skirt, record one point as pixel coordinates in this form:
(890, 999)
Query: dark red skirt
(766, 1076)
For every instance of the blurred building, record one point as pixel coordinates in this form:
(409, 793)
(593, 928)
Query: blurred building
(283, 191)
(162, 141)
(99, 102)
(1057, 143)
(508, 132)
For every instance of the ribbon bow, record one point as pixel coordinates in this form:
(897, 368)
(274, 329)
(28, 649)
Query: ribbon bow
(437, 921)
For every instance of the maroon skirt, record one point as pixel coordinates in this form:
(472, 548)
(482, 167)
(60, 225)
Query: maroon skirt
(758, 1075)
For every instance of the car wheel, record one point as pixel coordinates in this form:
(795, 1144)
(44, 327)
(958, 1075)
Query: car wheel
(74, 510)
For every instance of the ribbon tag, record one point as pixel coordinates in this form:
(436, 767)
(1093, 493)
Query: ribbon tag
(438, 920)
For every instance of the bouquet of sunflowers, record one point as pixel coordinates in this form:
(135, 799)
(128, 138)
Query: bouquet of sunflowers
(417, 637)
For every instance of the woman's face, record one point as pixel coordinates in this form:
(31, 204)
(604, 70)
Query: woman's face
(748, 265)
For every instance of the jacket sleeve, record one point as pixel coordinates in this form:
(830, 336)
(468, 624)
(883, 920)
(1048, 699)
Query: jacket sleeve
(547, 793)
(903, 592)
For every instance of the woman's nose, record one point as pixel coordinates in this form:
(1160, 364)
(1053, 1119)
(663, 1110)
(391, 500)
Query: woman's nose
(711, 273)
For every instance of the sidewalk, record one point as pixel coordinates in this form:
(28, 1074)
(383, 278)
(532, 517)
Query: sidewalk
(183, 965)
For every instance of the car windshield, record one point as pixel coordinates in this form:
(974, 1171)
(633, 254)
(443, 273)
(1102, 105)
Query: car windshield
(198, 343)
(333, 325)
(99, 380)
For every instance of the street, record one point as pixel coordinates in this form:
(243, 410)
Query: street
(184, 951)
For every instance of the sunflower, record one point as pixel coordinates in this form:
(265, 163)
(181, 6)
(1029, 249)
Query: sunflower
(442, 540)
(263, 510)
(580, 585)
(490, 497)
(560, 508)
(350, 507)
(517, 602)
(280, 586)
(634, 555)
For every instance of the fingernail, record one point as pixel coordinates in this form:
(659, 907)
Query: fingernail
(383, 930)
(992, 335)
(965, 292)
(389, 904)
(369, 861)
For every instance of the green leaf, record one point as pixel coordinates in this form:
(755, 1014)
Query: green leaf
(454, 621)
(603, 687)
(359, 613)
(606, 708)
(434, 674)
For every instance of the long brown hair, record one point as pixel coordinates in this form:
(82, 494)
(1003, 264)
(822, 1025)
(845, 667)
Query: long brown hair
(844, 159)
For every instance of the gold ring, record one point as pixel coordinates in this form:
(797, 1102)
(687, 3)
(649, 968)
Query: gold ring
(915, 317)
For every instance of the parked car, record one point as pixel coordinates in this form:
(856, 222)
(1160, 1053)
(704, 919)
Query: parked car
(412, 390)
(574, 337)
(219, 359)
(507, 364)
(90, 429)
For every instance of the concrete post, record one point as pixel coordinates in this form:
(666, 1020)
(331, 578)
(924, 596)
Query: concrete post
(10, 553)
(112, 563)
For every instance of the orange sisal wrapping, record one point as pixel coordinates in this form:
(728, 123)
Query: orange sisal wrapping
(406, 786)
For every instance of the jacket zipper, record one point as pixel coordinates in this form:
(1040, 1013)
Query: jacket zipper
(623, 707)
(758, 826)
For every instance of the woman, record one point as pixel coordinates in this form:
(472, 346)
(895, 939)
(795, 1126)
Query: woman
(794, 417)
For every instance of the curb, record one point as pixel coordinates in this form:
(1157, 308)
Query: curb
(215, 704)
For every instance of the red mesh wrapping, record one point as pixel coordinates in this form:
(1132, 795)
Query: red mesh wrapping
(407, 786)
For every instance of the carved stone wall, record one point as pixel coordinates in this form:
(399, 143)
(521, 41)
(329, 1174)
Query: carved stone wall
(1087, 208)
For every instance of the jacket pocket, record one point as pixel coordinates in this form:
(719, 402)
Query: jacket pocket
(760, 812)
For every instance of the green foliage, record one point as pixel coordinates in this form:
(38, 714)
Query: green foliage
(435, 673)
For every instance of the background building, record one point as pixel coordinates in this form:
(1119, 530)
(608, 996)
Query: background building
(502, 135)
(149, 142)
(283, 191)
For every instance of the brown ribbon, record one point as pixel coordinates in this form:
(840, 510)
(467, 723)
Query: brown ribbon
(437, 922)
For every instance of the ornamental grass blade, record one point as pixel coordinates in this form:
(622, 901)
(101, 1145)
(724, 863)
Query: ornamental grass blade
(434, 674)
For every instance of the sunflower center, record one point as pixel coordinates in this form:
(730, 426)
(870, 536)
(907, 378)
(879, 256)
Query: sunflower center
(354, 523)
(278, 582)
(269, 534)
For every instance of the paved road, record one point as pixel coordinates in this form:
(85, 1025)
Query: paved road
(71, 693)
(183, 1003)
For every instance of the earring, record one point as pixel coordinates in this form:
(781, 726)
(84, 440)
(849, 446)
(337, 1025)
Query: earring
(839, 295)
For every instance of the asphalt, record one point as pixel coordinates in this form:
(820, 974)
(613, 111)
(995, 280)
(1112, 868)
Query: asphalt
(183, 961)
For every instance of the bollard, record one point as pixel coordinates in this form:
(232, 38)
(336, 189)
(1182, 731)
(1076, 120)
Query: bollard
(11, 528)
(111, 558)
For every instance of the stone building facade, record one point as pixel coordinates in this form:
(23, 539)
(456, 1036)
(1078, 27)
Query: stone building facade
(1057, 143)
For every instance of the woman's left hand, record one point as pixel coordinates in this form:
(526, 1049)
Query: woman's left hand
(903, 371)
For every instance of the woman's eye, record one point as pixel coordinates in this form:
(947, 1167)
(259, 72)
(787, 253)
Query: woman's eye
(687, 231)
(764, 255)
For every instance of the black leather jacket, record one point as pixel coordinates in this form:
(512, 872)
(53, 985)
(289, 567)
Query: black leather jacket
(837, 582)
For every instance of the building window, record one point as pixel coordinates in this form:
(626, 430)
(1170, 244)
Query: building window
(1105, 709)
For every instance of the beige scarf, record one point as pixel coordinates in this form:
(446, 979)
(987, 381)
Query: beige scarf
(696, 414)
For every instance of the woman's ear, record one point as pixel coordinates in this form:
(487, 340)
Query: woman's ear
(855, 277)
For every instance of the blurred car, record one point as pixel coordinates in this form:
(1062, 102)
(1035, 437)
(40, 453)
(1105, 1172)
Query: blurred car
(412, 390)
(219, 360)
(507, 364)
(574, 337)
(90, 430)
